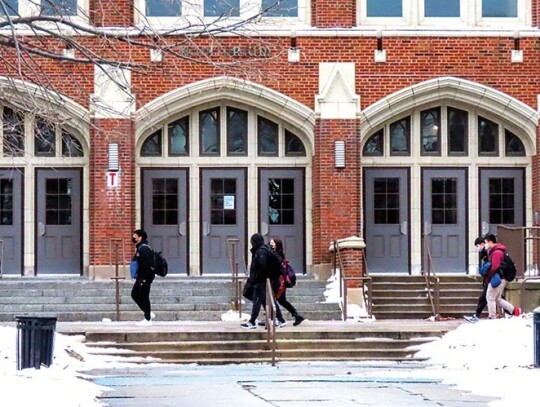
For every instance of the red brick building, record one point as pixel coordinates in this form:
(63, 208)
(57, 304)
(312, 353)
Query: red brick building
(403, 122)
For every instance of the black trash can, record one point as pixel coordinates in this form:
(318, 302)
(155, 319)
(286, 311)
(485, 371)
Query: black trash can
(35, 341)
(536, 336)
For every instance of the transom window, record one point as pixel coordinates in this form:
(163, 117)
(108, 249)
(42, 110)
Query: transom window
(65, 8)
(46, 139)
(223, 131)
(444, 131)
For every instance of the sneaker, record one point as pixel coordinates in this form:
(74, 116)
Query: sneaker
(517, 312)
(248, 325)
(144, 322)
(473, 318)
(261, 323)
(152, 316)
(280, 324)
(298, 320)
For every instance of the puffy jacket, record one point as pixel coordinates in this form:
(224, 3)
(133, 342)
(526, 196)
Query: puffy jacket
(496, 257)
(145, 260)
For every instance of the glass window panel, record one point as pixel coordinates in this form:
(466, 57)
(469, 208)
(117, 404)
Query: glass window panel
(444, 201)
(223, 201)
(13, 126)
(400, 137)
(293, 145)
(488, 135)
(163, 8)
(501, 200)
(384, 8)
(44, 139)
(458, 131)
(513, 145)
(152, 145)
(71, 147)
(441, 8)
(499, 8)
(165, 197)
(58, 201)
(178, 132)
(6, 202)
(280, 8)
(375, 144)
(430, 122)
(386, 201)
(9, 7)
(267, 136)
(218, 8)
(237, 125)
(281, 201)
(209, 131)
(59, 7)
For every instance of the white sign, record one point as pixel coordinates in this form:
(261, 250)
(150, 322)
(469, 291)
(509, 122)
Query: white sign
(113, 178)
(228, 201)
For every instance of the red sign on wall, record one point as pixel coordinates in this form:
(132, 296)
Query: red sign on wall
(113, 178)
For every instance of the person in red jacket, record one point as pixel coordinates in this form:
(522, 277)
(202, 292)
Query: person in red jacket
(494, 279)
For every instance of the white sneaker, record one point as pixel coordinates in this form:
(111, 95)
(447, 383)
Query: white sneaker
(152, 316)
(144, 322)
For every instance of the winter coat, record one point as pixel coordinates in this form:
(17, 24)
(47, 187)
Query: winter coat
(260, 252)
(145, 261)
(496, 257)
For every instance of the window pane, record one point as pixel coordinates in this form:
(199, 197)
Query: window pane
(71, 147)
(44, 139)
(501, 200)
(458, 131)
(223, 201)
(444, 201)
(165, 201)
(499, 8)
(280, 8)
(488, 135)
(163, 8)
(59, 7)
(513, 145)
(386, 201)
(13, 124)
(58, 201)
(11, 7)
(152, 145)
(431, 123)
(179, 136)
(441, 8)
(267, 136)
(237, 124)
(375, 145)
(384, 8)
(399, 137)
(6, 202)
(293, 145)
(209, 132)
(281, 201)
(218, 8)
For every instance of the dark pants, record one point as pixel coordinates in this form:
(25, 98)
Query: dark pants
(259, 299)
(141, 295)
(286, 304)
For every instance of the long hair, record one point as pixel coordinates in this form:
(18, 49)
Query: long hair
(279, 247)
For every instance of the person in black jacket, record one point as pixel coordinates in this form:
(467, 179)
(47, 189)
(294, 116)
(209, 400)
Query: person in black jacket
(259, 271)
(145, 275)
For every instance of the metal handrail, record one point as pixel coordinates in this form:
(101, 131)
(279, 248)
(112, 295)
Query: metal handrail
(114, 244)
(435, 302)
(270, 308)
(236, 302)
(343, 282)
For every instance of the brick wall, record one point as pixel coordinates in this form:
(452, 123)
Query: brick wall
(333, 14)
(107, 13)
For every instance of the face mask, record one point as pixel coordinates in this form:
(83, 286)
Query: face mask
(479, 249)
(134, 240)
(487, 246)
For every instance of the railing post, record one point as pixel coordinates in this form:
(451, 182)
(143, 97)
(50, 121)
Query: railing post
(1, 258)
(270, 309)
(237, 300)
(114, 245)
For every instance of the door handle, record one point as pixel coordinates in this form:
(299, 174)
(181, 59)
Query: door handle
(182, 229)
(485, 228)
(264, 228)
(206, 228)
(403, 228)
(427, 228)
(41, 229)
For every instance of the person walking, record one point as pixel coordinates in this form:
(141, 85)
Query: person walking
(495, 280)
(144, 259)
(482, 301)
(281, 294)
(259, 271)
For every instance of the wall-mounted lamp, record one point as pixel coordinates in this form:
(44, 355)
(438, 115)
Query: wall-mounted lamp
(156, 55)
(339, 154)
(114, 161)
(517, 53)
(69, 52)
(536, 218)
(294, 52)
(380, 53)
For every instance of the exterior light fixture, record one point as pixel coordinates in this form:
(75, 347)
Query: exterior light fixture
(114, 161)
(380, 52)
(517, 53)
(294, 52)
(339, 154)
(69, 52)
(156, 55)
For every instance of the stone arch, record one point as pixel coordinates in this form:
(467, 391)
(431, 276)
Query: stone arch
(450, 88)
(227, 88)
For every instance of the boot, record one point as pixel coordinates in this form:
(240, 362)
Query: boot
(298, 319)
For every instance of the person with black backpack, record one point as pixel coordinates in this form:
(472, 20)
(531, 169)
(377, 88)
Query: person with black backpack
(264, 264)
(142, 270)
(495, 279)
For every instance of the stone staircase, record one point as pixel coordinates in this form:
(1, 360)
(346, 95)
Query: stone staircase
(173, 299)
(230, 344)
(406, 297)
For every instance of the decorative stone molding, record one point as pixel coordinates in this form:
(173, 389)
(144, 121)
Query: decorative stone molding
(353, 242)
(337, 98)
(112, 98)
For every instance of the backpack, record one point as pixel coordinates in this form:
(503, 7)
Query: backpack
(290, 274)
(508, 268)
(160, 267)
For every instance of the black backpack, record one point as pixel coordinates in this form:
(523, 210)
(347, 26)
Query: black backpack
(508, 268)
(160, 267)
